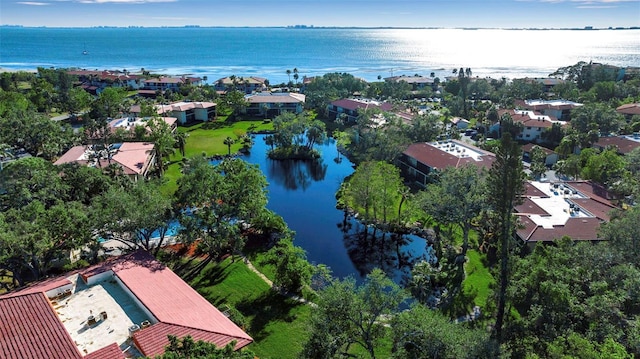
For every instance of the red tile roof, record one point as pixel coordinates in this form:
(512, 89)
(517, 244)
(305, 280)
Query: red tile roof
(578, 229)
(527, 148)
(532, 191)
(529, 207)
(434, 157)
(171, 301)
(629, 109)
(30, 328)
(37, 332)
(152, 341)
(134, 157)
(40, 287)
(351, 104)
(112, 351)
(268, 97)
(624, 145)
(539, 120)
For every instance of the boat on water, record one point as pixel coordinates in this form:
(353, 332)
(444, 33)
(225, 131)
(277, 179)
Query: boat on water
(85, 52)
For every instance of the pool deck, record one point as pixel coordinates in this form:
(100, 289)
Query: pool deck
(105, 296)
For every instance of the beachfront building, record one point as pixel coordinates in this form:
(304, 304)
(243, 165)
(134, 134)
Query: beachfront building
(270, 104)
(417, 83)
(124, 307)
(419, 160)
(173, 83)
(551, 211)
(548, 83)
(533, 124)
(247, 85)
(135, 158)
(94, 81)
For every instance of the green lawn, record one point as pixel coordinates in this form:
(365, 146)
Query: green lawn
(278, 325)
(478, 279)
(209, 141)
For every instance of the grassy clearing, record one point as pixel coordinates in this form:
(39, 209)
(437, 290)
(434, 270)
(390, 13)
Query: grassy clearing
(479, 279)
(277, 324)
(209, 141)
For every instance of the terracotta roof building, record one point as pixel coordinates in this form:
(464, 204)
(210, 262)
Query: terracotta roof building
(623, 144)
(350, 107)
(533, 123)
(550, 211)
(172, 83)
(629, 110)
(245, 84)
(274, 103)
(129, 124)
(551, 156)
(416, 82)
(559, 109)
(420, 159)
(135, 158)
(99, 312)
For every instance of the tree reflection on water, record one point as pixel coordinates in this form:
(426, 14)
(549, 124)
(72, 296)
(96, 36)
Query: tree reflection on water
(370, 247)
(296, 174)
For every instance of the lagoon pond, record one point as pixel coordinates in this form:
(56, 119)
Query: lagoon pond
(303, 193)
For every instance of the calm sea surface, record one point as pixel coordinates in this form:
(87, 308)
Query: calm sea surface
(269, 52)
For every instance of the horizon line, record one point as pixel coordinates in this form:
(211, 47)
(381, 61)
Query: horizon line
(311, 27)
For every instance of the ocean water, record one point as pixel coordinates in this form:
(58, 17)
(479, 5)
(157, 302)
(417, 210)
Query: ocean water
(269, 52)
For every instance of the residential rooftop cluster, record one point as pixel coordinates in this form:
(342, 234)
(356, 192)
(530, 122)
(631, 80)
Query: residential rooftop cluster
(124, 307)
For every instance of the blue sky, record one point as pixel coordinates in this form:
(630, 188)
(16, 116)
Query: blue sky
(368, 13)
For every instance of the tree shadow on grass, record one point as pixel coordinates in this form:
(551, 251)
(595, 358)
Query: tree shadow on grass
(270, 307)
(210, 276)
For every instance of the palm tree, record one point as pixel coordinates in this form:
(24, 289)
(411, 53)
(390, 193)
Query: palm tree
(289, 74)
(295, 75)
(181, 140)
(229, 141)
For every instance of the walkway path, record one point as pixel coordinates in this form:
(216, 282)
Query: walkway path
(256, 271)
(270, 283)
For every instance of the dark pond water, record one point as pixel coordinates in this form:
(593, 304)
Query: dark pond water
(303, 193)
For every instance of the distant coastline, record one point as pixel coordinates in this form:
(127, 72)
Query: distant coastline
(311, 27)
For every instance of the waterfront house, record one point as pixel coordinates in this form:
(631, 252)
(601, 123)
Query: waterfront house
(244, 84)
(420, 159)
(416, 82)
(173, 83)
(94, 81)
(124, 307)
(270, 104)
(187, 112)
